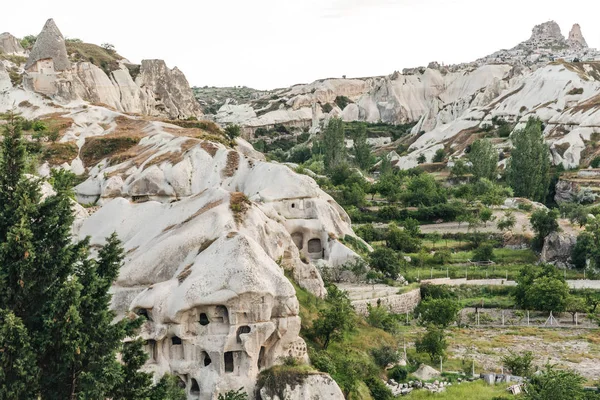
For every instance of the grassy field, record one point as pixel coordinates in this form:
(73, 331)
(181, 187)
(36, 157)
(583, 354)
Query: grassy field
(466, 391)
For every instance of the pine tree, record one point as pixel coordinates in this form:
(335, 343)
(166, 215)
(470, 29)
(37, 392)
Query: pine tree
(54, 298)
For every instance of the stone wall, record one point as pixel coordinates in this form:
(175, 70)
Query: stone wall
(397, 304)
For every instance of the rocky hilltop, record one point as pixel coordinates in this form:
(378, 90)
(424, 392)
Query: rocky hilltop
(548, 76)
(72, 71)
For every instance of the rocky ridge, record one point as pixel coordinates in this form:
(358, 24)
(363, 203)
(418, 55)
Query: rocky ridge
(148, 89)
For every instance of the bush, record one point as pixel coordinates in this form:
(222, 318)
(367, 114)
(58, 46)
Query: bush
(439, 156)
(378, 389)
(385, 261)
(519, 364)
(398, 373)
(385, 355)
(232, 131)
(39, 126)
(485, 252)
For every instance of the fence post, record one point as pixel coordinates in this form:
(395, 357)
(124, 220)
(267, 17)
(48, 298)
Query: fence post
(502, 317)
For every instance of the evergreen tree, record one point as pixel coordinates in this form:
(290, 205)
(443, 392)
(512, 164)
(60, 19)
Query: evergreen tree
(54, 296)
(484, 159)
(18, 369)
(334, 146)
(529, 165)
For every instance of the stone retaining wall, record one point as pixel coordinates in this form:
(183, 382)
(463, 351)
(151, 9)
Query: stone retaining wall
(397, 304)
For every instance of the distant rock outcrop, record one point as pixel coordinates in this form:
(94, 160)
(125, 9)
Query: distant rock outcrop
(49, 50)
(157, 90)
(10, 45)
(576, 38)
(546, 32)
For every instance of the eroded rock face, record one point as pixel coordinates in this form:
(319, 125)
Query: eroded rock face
(159, 91)
(317, 386)
(576, 38)
(10, 45)
(219, 307)
(5, 82)
(49, 51)
(169, 88)
(557, 248)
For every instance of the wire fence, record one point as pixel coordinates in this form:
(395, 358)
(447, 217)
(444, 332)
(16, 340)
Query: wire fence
(497, 317)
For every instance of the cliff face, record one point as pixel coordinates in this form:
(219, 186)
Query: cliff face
(157, 91)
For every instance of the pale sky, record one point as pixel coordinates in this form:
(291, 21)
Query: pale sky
(268, 44)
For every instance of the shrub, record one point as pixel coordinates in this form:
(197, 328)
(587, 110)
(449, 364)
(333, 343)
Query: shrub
(398, 373)
(519, 364)
(39, 126)
(421, 159)
(385, 355)
(327, 108)
(485, 252)
(439, 156)
(342, 101)
(232, 131)
(234, 395)
(378, 389)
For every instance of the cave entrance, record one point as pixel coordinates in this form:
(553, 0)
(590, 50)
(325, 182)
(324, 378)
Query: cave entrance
(314, 246)
(204, 319)
(195, 389)
(228, 358)
(242, 330)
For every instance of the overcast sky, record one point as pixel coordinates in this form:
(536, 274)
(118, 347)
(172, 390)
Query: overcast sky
(267, 44)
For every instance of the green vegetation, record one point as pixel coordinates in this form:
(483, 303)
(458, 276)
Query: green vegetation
(106, 59)
(484, 158)
(333, 144)
(529, 164)
(472, 391)
(58, 338)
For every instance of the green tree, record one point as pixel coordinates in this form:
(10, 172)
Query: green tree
(507, 222)
(361, 149)
(168, 389)
(52, 286)
(424, 190)
(544, 222)
(484, 252)
(439, 156)
(529, 164)
(486, 215)
(433, 343)
(232, 131)
(336, 318)
(380, 317)
(519, 364)
(459, 170)
(484, 160)
(334, 146)
(421, 159)
(556, 384)
(541, 289)
(438, 312)
(386, 261)
(18, 364)
(402, 240)
(574, 305)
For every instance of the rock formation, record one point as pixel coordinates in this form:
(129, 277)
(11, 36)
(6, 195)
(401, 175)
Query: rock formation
(49, 51)
(576, 38)
(313, 386)
(169, 88)
(157, 91)
(557, 249)
(548, 32)
(10, 45)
